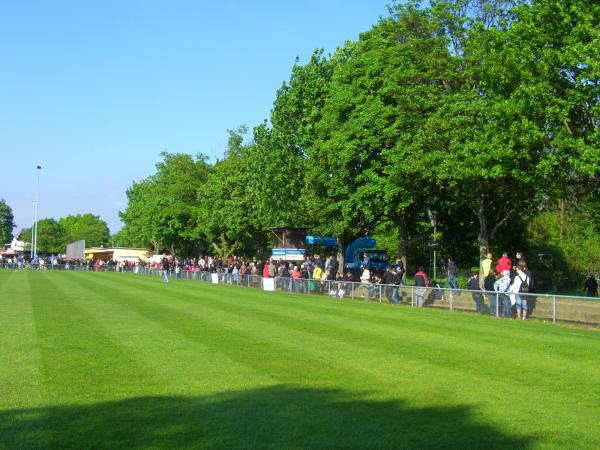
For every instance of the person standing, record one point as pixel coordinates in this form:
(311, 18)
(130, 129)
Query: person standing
(452, 282)
(473, 286)
(397, 281)
(272, 268)
(304, 276)
(316, 276)
(421, 283)
(335, 266)
(388, 281)
(340, 285)
(366, 260)
(490, 293)
(164, 266)
(502, 287)
(295, 279)
(365, 280)
(521, 287)
(504, 263)
(328, 263)
(591, 286)
(486, 265)
(400, 271)
(519, 256)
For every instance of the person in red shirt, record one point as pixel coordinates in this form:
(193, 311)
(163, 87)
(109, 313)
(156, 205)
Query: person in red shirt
(504, 263)
(421, 283)
(296, 279)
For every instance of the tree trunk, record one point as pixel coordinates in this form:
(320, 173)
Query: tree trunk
(561, 220)
(340, 255)
(484, 236)
(403, 242)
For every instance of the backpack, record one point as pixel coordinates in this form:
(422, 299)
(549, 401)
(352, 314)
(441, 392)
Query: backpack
(526, 284)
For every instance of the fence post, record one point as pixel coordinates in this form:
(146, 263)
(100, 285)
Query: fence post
(352, 284)
(451, 300)
(554, 309)
(497, 306)
(379, 293)
(412, 296)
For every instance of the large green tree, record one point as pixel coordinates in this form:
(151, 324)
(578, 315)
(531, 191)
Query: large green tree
(468, 141)
(162, 209)
(257, 185)
(88, 227)
(7, 223)
(51, 237)
(551, 63)
(225, 216)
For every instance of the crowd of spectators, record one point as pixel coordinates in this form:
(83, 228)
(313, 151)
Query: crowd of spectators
(506, 283)
(495, 288)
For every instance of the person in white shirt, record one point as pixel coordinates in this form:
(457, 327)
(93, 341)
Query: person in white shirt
(520, 286)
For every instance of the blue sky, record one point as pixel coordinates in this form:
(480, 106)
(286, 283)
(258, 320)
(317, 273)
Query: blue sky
(94, 91)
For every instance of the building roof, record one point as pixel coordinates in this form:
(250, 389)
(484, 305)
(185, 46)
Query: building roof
(112, 249)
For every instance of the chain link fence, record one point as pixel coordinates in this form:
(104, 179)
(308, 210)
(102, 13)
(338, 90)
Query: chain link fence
(549, 308)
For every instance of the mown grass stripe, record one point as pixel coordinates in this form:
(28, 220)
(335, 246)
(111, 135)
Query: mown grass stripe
(81, 363)
(21, 387)
(19, 357)
(160, 349)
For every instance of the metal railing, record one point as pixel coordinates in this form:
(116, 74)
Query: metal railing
(549, 308)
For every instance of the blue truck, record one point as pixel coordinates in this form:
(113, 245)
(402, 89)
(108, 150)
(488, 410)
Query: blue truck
(379, 260)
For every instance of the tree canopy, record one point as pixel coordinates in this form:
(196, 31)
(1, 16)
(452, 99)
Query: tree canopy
(7, 223)
(481, 113)
(88, 227)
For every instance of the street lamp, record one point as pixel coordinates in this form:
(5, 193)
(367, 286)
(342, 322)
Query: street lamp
(35, 227)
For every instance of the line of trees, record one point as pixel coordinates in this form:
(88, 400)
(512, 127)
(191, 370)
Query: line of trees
(54, 235)
(483, 112)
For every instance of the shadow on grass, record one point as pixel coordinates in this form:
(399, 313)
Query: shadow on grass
(274, 417)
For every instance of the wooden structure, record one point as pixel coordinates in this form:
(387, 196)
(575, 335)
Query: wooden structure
(287, 243)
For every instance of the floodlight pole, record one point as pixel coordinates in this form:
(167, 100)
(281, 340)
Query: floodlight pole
(37, 197)
(32, 239)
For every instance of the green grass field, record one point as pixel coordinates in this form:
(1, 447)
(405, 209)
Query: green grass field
(101, 360)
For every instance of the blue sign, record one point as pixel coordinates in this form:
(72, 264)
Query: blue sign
(288, 254)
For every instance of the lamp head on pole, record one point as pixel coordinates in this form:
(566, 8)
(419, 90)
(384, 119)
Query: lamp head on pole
(431, 217)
